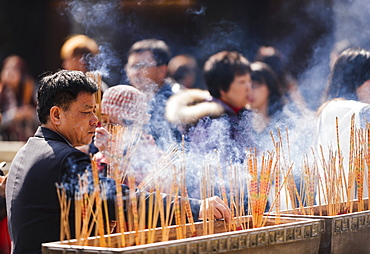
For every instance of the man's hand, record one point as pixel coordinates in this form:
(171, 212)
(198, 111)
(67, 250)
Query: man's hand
(220, 209)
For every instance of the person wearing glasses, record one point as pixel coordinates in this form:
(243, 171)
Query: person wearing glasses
(146, 70)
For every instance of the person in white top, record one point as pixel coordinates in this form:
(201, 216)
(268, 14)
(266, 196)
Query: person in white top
(347, 94)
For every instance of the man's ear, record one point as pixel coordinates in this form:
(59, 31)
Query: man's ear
(55, 114)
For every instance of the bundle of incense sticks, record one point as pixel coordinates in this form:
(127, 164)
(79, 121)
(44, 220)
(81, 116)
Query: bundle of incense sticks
(260, 178)
(325, 175)
(308, 189)
(122, 145)
(97, 77)
(285, 191)
(114, 153)
(64, 212)
(90, 210)
(340, 184)
(206, 192)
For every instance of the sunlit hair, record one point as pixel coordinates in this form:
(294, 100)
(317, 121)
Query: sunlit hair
(221, 69)
(263, 74)
(351, 70)
(160, 51)
(61, 89)
(78, 45)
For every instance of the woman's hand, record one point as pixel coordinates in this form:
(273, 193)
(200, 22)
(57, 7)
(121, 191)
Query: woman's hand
(220, 209)
(101, 138)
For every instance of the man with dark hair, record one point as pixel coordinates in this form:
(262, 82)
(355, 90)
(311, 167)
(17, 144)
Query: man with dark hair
(147, 71)
(184, 71)
(66, 110)
(217, 119)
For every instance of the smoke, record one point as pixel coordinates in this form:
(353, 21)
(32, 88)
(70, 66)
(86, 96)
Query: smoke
(352, 21)
(94, 15)
(98, 20)
(349, 23)
(201, 11)
(313, 80)
(105, 59)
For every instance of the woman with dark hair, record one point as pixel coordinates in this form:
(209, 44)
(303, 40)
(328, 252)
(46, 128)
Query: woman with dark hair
(349, 73)
(17, 100)
(217, 118)
(347, 94)
(274, 58)
(272, 110)
(267, 94)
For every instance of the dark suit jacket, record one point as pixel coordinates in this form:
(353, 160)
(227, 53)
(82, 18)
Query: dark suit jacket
(32, 202)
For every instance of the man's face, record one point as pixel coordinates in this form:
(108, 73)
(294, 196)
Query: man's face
(239, 93)
(78, 123)
(143, 72)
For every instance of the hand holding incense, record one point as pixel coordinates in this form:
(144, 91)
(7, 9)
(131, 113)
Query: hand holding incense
(220, 209)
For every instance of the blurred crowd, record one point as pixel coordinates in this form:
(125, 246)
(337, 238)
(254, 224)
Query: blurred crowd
(228, 103)
(177, 73)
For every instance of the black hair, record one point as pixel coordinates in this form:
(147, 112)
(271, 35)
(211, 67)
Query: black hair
(274, 58)
(159, 49)
(221, 68)
(61, 89)
(263, 74)
(351, 70)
